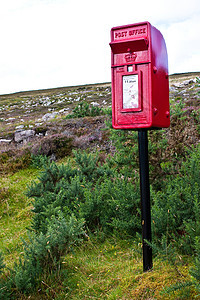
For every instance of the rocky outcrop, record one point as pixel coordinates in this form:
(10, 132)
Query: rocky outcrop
(23, 136)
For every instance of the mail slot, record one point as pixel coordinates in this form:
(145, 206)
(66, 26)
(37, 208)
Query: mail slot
(140, 84)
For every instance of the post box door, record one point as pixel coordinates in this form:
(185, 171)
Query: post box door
(131, 93)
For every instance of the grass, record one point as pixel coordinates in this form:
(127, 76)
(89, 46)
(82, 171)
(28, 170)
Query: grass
(15, 212)
(111, 270)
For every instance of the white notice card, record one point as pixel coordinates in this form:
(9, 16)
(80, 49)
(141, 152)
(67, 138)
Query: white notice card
(130, 91)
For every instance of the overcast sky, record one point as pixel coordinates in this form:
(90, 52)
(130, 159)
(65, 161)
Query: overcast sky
(55, 43)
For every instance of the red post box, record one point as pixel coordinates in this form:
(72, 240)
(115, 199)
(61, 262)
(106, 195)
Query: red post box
(140, 85)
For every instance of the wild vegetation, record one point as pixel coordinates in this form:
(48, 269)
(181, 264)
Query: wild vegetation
(71, 228)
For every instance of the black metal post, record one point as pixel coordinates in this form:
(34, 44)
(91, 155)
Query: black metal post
(145, 198)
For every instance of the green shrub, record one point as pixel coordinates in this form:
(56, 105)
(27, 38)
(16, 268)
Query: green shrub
(126, 157)
(112, 205)
(195, 271)
(84, 109)
(87, 163)
(43, 252)
(5, 283)
(184, 287)
(89, 166)
(2, 265)
(107, 111)
(106, 200)
(39, 161)
(59, 189)
(177, 109)
(5, 290)
(175, 209)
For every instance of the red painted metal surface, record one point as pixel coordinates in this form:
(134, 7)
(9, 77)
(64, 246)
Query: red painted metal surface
(140, 86)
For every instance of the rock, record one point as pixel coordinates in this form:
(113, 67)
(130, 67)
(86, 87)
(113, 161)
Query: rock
(60, 101)
(20, 136)
(184, 83)
(172, 88)
(52, 157)
(19, 127)
(189, 81)
(49, 116)
(5, 141)
(92, 138)
(95, 103)
(63, 110)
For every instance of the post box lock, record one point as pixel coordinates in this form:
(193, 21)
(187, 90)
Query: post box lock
(139, 98)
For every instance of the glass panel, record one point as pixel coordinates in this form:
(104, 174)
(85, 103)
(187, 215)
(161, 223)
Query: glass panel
(130, 91)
